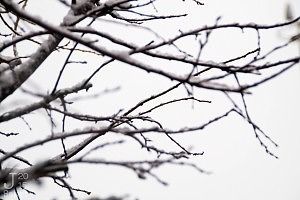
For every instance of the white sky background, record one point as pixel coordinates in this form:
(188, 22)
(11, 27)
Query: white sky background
(241, 169)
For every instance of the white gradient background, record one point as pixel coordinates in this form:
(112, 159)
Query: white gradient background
(241, 169)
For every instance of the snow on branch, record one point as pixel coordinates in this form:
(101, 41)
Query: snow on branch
(83, 32)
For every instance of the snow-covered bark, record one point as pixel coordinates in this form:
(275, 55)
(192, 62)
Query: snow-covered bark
(168, 58)
(12, 79)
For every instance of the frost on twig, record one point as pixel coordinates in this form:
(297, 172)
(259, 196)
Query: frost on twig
(83, 32)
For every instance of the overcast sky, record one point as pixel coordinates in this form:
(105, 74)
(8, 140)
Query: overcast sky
(241, 170)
